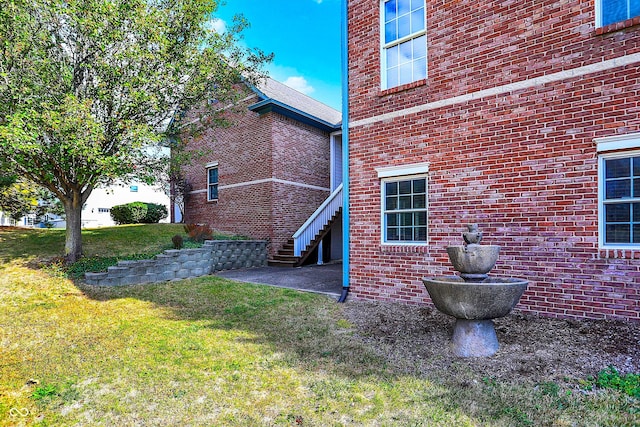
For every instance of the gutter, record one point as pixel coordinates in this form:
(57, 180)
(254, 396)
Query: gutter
(345, 150)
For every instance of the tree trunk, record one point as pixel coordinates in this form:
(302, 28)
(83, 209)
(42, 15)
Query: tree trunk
(73, 241)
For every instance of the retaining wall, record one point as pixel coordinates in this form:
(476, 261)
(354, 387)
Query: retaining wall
(215, 255)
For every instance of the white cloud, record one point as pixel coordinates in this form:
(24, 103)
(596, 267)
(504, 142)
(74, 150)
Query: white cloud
(217, 25)
(300, 84)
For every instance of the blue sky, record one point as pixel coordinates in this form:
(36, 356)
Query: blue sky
(304, 35)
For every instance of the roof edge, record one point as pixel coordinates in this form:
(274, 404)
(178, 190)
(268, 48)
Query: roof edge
(269, 104)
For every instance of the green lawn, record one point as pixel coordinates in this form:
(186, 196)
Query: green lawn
(212, 352)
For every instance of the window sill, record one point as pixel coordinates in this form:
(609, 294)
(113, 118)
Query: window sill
(619, 253)
(402, 88)
(415, 248)
(617, 26)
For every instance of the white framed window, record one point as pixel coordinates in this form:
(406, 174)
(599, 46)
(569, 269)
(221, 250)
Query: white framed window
(619, 189)
(611, 11)
(404, 204)
(404, 42)
(212, 182)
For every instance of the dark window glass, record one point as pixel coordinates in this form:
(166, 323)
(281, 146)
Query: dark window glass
(619, 212)
(618, 188)
(636, 233)
(636, 212)
(405, 202)
(405, 187)
(392, 203)
(391, 188)
(419, 185)
(419, 201)
(618, 168)
(618, 233)
(392, 220)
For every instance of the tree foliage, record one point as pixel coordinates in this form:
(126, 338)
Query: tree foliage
(88, 86)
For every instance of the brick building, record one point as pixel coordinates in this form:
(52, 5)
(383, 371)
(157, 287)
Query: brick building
(523, 117)
(267, 173)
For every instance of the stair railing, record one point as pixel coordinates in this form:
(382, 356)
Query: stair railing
(316, 222)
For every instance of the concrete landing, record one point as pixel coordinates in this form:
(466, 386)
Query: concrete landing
(323, 279)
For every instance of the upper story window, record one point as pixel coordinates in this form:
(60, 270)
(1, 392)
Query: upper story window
(212, 182)
(611, 11)
(404, 42)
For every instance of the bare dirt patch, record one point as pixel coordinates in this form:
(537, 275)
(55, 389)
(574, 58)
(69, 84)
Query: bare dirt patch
(416, 339)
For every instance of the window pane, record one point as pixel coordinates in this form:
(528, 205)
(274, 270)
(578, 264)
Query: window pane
(618, 189)
(617, 168)
(392, 234)
(613, 11)
(419, 201)
(636, 160)
(392, 56)
(635, 8)
(213, 192)
(417, 20)
(392, 77)
(420, 69)
(405, 202)
(391, 188)
(392, 220)
(636, 187)
(406, 73)
(213, 175)
(419, 185)
(618, 233)
(389, 10)
(636, 233)
(404, 26)
(405, 187)
(404, 7)
(405, 52)
(392, 204)
(406, 234)
(636, 212)
(421, 234)
(406, 219)
(420, 47)
(417, 4)
(620, 212)
(390, 31)
(420, 218)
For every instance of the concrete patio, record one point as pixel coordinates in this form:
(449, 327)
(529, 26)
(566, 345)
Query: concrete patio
(323, 279)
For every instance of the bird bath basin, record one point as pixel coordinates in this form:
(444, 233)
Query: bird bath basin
(473, 298)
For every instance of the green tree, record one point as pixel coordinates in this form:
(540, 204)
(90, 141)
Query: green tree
(88, 86)
(17, 197)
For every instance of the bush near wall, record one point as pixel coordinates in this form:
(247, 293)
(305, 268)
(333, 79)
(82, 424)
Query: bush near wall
(138, 213)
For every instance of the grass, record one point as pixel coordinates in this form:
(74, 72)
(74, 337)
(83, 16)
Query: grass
(214, 352)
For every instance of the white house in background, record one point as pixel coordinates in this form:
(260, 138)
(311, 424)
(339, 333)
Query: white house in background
(97, 211)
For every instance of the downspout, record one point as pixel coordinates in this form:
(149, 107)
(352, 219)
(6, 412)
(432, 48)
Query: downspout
(345, 149)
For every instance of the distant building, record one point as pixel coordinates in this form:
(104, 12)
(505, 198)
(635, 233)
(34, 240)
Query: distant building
(267, 174)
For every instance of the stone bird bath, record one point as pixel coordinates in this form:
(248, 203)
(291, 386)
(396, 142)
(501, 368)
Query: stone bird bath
(474, 298)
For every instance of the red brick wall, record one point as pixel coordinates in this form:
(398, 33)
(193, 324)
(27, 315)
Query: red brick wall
(522, 164)
(270, 147)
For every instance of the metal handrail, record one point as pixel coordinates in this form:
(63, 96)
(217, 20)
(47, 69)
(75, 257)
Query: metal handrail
(305, 234)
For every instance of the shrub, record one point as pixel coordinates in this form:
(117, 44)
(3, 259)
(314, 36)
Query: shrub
(155, 213)
(178, 242)
(199, 233)
(131, 213)
(138, 213)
